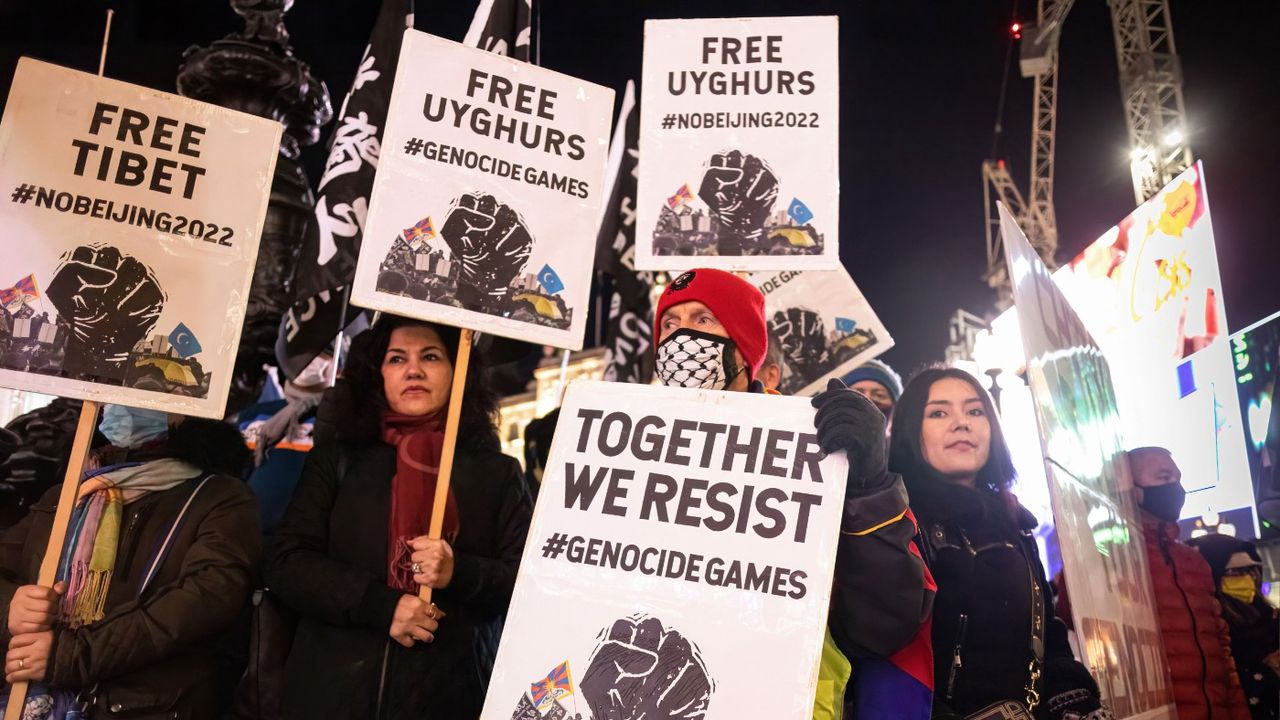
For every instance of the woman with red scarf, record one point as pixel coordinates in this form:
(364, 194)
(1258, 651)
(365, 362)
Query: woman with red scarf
(352, 550)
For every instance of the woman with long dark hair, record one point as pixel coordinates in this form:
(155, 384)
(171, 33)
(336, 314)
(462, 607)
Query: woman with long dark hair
(351, 550)
(995, 639)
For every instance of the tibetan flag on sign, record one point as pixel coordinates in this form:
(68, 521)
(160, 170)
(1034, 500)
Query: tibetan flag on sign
(22, 291)
(799, 212)
(554, 686)
(682, 196)
(845, 325)
(549, 280)
(184, 341)
(422, 230)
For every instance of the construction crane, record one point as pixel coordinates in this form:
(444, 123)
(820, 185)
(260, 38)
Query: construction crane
(1151, 89)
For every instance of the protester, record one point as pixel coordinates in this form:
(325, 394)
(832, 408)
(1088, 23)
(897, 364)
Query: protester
(771, 371)
(947, 443)
(1196, 641)
(161, 554)
(351, 552)
(878, 382)
(712, 334)
(1253, 621)
(281, 433)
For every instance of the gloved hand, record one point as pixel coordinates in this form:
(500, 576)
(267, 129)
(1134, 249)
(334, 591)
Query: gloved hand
(848, 421)
(1070, 692)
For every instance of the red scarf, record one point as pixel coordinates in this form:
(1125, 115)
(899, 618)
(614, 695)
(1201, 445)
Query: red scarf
(419, 440)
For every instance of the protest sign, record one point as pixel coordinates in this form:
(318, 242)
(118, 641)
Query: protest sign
(1150, 292)
(823, 325)
(1104, 559)
(131, 234)
(676, 557)
(738, 134)
(487, 194)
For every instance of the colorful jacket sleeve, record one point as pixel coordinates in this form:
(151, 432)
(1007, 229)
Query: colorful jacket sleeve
(883, 591)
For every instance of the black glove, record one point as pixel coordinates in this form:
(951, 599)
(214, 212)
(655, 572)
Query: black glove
(848, 421)
(1070, 692)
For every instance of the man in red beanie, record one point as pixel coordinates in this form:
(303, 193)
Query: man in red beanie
(711, 334)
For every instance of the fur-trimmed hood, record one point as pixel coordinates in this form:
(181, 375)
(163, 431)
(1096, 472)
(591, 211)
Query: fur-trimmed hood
(211, 445)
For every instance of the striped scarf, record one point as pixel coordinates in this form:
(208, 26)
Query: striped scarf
(93, 535)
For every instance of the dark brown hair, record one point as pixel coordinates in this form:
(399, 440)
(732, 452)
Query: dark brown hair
(359, 398)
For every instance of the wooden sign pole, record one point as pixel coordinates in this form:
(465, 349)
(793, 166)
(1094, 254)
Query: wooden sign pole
(61, 518)
(70, 482)
(450, 443)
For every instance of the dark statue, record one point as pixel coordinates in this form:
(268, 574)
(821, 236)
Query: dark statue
(255, 71)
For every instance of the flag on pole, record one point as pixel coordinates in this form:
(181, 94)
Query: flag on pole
(503, 27)
(332, 241)
(421, 231)
(23, 291)
(628, 338)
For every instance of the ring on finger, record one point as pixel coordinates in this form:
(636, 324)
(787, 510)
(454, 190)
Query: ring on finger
(22, 664)
(417, 568)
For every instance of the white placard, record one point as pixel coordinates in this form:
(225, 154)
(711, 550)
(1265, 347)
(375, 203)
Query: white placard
(488, 194)
(823, 324)
(130, 234)
(678, 556)
(739, 144)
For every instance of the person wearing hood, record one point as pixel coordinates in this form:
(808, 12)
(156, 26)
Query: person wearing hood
(1197, 644)
(711, 334)
(996, 642)
(160, 557)
(1253, 621)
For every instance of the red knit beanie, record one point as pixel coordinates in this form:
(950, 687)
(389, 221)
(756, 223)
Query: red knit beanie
(736, 303)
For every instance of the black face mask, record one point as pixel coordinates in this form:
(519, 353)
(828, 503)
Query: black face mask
(1164, 501)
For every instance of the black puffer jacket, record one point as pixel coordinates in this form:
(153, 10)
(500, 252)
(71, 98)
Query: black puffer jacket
(329, 564)
(979, 556)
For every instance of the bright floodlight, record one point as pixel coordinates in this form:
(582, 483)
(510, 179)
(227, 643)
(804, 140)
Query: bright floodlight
(1173, 137)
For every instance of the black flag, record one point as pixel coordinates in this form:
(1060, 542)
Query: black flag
(328, 260)
(503, 27)
(629, 336)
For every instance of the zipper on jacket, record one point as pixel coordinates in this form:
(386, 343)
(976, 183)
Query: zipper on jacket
(961, 626)
(382, 678)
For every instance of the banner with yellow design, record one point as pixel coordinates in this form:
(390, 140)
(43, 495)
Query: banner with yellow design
(1150, 292)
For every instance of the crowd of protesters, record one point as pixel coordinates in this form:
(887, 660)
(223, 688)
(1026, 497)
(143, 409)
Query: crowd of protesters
(170, 603)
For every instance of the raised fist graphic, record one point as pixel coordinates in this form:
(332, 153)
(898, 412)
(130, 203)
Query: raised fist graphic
(803, 338)
(111, 301)
(491, 243)
(642, 671)
(740, 190)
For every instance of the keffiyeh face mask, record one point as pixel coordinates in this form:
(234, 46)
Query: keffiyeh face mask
(692, 359)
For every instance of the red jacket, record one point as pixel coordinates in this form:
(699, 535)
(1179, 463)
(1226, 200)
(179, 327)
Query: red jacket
(1196, 641)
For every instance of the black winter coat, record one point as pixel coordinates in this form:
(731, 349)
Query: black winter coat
(979, 558)
(329, 563)
(161, 654)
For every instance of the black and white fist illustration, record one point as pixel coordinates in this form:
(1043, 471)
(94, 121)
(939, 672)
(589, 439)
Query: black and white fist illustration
(803, 338)
(643, 671)
(492, 244)
(111, 301)
(740, 191)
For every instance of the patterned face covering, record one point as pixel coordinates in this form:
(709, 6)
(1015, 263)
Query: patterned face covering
(693, 359)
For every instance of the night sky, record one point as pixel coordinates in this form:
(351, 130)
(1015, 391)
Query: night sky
(920, 83)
